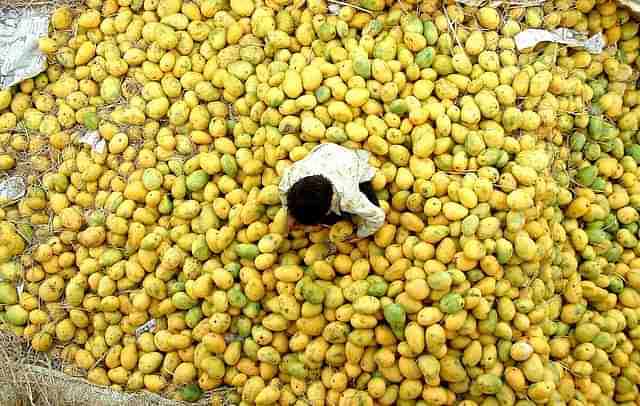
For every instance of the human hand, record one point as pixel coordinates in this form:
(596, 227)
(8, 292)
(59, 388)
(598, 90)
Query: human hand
(293, 225)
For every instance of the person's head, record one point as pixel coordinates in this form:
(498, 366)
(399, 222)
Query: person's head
(309, 199)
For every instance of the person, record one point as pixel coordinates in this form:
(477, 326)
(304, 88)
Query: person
(330, 184)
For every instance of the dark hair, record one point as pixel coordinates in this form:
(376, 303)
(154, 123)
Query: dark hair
(309, 199)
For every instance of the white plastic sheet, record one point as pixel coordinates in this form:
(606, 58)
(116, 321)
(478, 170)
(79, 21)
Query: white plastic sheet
(93, 138)
(12, 188)
(20, 29)
(333, 9)
(230, 338)
(148, 326)
(532, 37)
(20, 287)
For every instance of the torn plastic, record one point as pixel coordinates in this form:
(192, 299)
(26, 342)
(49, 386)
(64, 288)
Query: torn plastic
(472, 3)
(229, 338)
(532, 37)
(333, 9)
(94, 140)
(148, 326)
(20, 29)
(12, 189)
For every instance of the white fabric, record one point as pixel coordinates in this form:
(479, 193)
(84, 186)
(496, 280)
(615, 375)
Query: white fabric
(346, 169)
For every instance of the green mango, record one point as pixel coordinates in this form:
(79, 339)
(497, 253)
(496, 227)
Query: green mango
(577, 141)
(488, 384)
(191, 393)
(386, 48)
(377, 286)
(183, 301)
(592, 151)
(616, 284)
(312, 292)
(236, 297)
(197, 180)
(193, 316)
(399, 107)
(585, 176)
(396, 316)
(247, 251)
(451, 303)
(409, 22)
(323, 93)
(430, 32)
(634, 152)
(424, 58)
(16, 315)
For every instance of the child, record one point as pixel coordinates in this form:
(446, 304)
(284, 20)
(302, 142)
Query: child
(329, 182)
